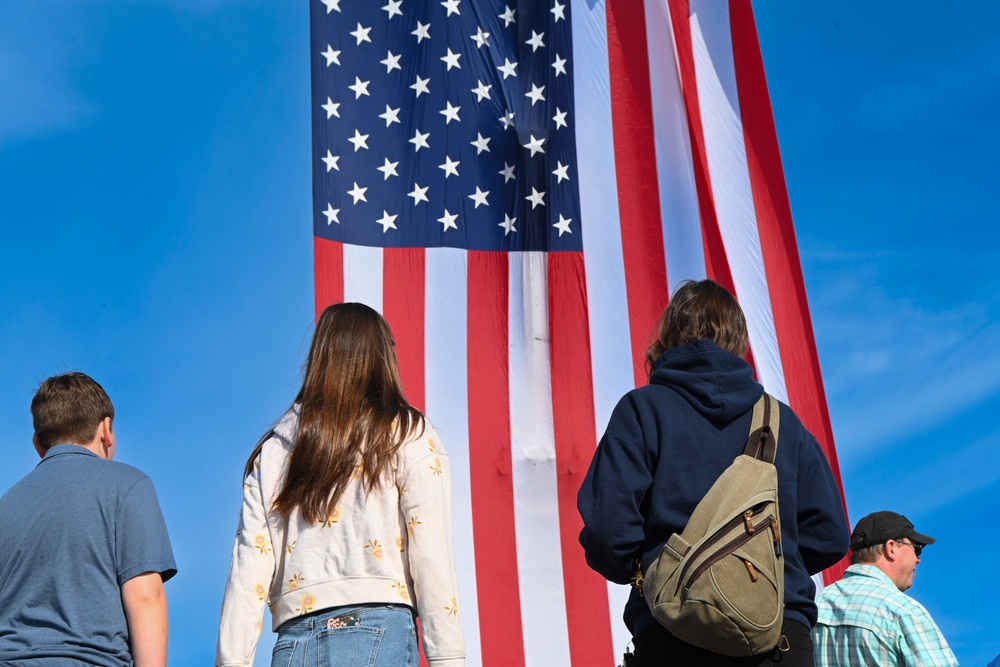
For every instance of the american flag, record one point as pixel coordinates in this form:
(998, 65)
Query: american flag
(517, 185)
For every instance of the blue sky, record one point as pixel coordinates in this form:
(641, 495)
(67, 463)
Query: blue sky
(155, 208)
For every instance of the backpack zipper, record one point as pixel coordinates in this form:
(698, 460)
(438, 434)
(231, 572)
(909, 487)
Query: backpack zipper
(720, 533)
(724, 551)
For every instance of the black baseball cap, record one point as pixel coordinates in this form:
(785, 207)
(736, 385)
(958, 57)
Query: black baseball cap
(880, 527)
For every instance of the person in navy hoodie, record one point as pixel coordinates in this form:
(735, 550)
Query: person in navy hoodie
(665, 446)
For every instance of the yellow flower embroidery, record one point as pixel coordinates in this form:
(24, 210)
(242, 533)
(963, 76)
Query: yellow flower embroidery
(294, 582)
(401, 589)
(412, 525)
(359, 472)
(308, 602)
(246, 487)
(376, 549)
(290, 547)
(436, 468)
(453, 609)
(333, 517)
(432, 445)
(260, 541)
(260, 591)
(399, 542)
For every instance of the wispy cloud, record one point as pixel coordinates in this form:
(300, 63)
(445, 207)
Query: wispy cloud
(895, 366)
(40, 94)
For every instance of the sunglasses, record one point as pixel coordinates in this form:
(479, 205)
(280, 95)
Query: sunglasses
(917, 548)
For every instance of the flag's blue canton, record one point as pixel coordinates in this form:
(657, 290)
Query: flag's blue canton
(444, 123)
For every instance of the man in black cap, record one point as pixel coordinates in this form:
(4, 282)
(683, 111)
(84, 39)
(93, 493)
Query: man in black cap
(865, 619)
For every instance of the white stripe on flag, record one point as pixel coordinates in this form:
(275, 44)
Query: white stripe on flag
(363, 275)
(682, 238)
(607, 300)
(533, 452)
(730, 176)
(446, 386)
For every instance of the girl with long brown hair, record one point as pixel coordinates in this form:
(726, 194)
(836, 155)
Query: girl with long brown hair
(346, 524)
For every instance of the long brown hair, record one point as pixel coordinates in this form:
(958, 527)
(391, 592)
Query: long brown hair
(352, 412)
(699, 309)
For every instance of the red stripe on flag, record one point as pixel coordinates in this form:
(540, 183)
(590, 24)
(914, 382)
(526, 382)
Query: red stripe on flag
(789, 304)
(716, 263)
(587, 611)
(635, 164)
(491, 471)
(403, 281)
(328, 272)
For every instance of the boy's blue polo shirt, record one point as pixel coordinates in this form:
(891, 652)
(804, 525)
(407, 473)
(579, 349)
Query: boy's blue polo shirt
(72, 532)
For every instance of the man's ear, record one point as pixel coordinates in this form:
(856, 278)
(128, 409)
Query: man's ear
(106, 436)
(37, 444)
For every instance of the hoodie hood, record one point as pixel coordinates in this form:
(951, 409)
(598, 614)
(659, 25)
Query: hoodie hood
(716, 383)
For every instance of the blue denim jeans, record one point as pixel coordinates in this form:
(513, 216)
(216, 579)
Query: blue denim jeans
(367, 635)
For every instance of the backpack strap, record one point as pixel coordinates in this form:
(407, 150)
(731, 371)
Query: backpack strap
(763, 440)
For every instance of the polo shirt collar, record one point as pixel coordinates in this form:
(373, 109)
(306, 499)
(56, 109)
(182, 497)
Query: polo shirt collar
(60, 450)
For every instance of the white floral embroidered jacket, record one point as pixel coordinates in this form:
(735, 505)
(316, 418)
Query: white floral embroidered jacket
(390, 547)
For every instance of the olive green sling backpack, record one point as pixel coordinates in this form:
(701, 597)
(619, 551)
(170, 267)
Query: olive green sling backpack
(720, 584)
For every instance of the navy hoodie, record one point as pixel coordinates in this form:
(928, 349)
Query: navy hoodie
(665, 446)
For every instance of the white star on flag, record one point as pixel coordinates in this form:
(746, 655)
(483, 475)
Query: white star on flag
(331, 214)
(507, 16)
(387, 221)
(536, 198)
(450, 113)
(507, 119)
(393, 8)
(536, 94)
(391, 62)
(481, 91)
(507, 172)
(421, 85)
(479, 197)
(559, 64)
(480, 38)
(360, 87)
(451, 6)
(331, 108)
(563, 225)
(560, 172)
(419, 194)
(419, 140)
(536, 41)
(481, 143)
(533, 145)
(451, 60)
(331, 56)
(448, 220)
(358, 193)
(361, 34)
(389, 169)
(331, 161)
(359, 140)
(390, 116)
(422, 32)
(508, 224)
(508, 68)
(559, 118)
(332, 5)
(450, 167)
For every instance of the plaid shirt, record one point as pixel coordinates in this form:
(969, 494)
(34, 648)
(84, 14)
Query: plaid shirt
(865, 621)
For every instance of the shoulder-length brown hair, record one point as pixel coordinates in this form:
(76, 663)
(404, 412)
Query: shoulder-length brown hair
(352, 412)
(699, 309)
